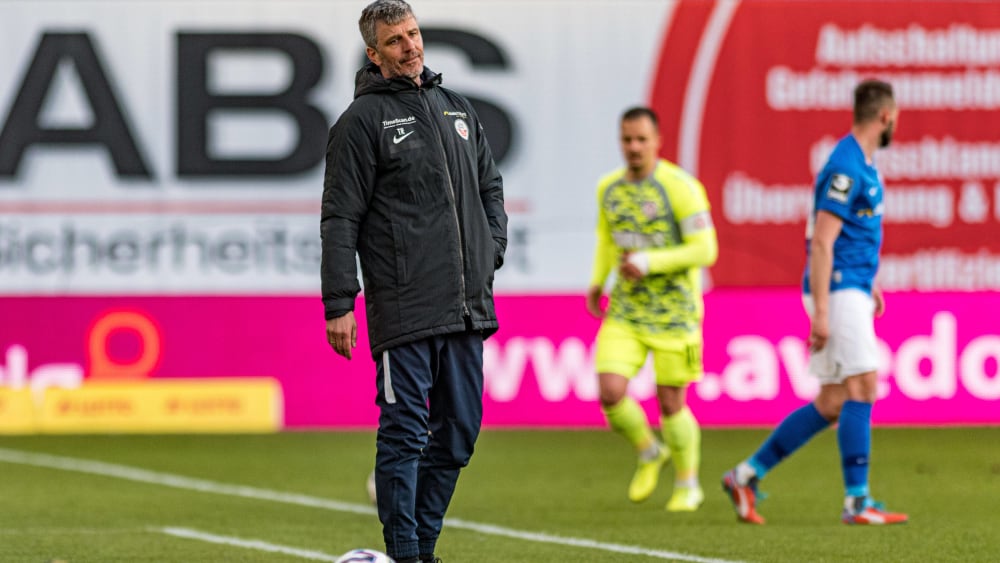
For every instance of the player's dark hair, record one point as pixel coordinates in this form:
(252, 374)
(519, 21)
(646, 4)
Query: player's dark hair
(641, 111)
(390, 12)
(870, 96)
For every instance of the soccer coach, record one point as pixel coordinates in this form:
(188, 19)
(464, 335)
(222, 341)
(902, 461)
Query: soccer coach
(411, 187)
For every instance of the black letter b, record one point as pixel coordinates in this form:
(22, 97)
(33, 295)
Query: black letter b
(195, 102)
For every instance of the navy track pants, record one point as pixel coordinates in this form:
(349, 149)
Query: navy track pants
(430, 396)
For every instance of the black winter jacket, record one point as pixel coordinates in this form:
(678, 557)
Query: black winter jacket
(411, 186)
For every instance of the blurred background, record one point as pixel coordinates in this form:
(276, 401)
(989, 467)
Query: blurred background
(161, 168)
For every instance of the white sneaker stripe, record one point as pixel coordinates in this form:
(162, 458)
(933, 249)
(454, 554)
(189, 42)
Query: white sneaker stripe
(744, 507)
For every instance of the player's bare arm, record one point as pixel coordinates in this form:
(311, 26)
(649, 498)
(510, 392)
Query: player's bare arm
(825, 232)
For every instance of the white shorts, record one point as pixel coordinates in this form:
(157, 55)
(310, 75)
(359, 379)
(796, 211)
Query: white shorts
(851, 348)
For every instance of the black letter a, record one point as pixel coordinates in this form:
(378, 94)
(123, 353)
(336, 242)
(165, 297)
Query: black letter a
(110, 127)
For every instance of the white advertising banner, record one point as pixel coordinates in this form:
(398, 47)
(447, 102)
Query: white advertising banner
(218, 253)
(136, 115)
(177, 147)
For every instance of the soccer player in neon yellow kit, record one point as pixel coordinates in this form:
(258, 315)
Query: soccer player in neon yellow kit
(654, 224)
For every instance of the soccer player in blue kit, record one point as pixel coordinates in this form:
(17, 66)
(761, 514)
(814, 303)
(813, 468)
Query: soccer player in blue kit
(843, 240)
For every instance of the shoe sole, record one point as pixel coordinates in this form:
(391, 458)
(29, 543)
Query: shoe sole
(865, 522)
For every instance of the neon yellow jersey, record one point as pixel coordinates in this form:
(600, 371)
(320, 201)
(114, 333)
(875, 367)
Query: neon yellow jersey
(666, 216)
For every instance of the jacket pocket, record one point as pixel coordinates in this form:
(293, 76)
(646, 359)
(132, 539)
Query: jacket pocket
(399, 248)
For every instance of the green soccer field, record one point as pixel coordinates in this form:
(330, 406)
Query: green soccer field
(527, 496)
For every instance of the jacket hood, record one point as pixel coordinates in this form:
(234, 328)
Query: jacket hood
(369, 80)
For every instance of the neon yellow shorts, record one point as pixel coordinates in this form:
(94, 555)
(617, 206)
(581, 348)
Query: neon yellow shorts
(622, 349)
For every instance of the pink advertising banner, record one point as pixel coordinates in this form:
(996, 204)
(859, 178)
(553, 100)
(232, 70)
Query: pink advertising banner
(939, 355)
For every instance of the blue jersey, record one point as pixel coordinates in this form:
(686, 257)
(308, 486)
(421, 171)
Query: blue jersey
(851, 189)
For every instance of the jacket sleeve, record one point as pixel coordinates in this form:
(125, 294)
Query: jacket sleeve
(491, 194)
(347, 188)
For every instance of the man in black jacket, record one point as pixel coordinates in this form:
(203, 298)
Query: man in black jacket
(411, 187)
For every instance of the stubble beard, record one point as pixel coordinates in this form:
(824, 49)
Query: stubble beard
(404, 71)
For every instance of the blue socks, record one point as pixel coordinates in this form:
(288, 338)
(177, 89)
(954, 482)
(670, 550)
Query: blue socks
(797, 429)
(854, 439)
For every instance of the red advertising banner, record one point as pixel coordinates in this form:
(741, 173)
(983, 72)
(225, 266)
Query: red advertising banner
(753, 96)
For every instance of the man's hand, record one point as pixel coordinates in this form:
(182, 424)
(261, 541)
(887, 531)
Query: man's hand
(634, 265)
(342, 334)
(594, 295)
(879, 301)
(819, 332)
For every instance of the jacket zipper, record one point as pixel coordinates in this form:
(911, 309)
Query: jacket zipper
(454, 199)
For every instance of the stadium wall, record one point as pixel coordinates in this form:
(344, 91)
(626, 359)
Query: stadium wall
(161, 168)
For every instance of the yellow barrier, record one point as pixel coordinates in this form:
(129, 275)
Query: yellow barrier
(17, 411)
(164, 406)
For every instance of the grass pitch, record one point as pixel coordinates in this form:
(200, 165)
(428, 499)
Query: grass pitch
(528, 496)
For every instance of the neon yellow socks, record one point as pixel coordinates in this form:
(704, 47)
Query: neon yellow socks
(683, 436)
(628, 419)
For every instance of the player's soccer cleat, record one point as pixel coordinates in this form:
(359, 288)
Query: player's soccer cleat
(647, 475)
(743, 497)
(863, 510)
(686, 499)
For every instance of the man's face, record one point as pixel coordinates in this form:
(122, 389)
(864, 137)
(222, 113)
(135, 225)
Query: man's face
(640, 143)
(399, 49)
(890, 120)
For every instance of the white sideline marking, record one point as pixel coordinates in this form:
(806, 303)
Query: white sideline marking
(202, 485)
(580, 542)
(187, 533)
(249, 544)
(69, 531)
(175, 481)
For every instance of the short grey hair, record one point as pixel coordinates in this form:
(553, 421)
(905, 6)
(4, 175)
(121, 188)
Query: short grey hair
(390, 12)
